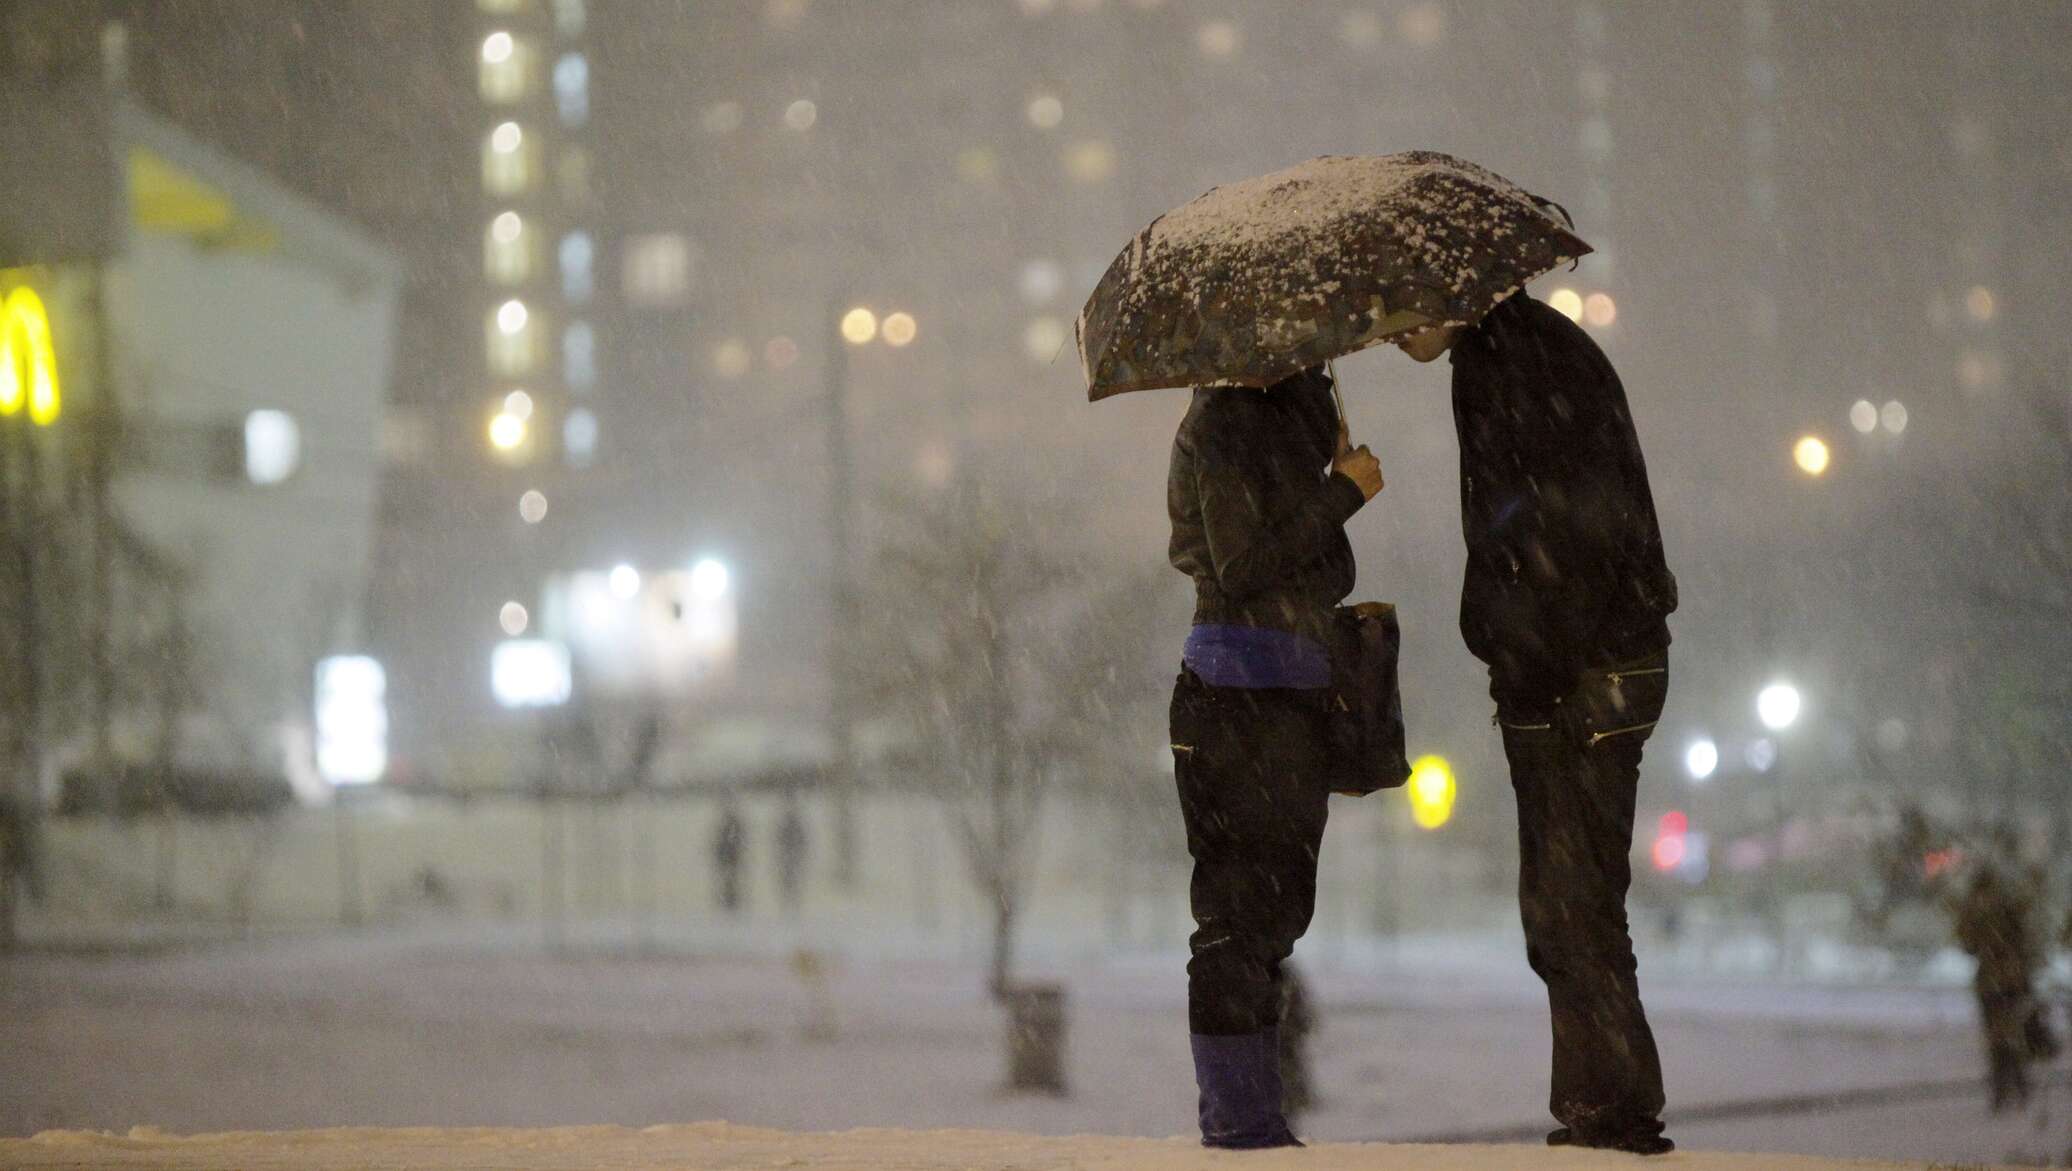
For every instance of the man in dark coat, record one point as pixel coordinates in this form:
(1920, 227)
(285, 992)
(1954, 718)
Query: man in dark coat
(1261, 485)
(1565, 598)
(1996, 925)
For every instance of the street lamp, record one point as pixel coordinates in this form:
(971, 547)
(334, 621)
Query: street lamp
(1777, 706)
(1701, 758)
(1811, 454)
(1431, 791)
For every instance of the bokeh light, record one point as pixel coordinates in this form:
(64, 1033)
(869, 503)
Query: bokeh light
(1600, 310)
(859, 326)
(899, 329)
(1568, 302)
(1045, 111)
(732, 358)
(532, 506)
(511, 316)
(506, 431)
(1894, 416)
(1431, 791)
(513, 619)
(497, 47)
(1811, 454)
(709, 580)
(1044, 338)
(1701, 759)
(519, 404)
(625, 581)
(1778, 706)
(801, 114)
(1218, 40)
(1863, 416)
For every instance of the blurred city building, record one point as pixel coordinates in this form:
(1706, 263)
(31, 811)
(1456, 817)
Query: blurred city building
(198, 467)
(653, 220)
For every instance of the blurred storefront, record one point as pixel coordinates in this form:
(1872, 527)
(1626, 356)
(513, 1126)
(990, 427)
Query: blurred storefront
(192, 472)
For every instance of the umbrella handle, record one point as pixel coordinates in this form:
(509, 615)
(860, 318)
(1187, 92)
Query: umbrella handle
(1337, 399)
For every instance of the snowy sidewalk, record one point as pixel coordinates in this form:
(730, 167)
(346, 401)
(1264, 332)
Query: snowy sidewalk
(717, 1145)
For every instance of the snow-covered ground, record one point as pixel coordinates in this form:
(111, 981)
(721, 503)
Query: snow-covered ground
(451, 1027)
(737, 1148)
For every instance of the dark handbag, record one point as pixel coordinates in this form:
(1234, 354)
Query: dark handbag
(1366, 705)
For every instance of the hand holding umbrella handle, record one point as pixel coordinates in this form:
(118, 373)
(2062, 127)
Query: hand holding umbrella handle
(1361, 467)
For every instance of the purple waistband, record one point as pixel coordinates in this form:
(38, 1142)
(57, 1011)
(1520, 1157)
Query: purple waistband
(1254, 656)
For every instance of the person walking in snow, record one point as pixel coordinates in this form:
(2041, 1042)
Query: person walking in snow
(1260, 487)
(729, 847)
(791, 854)
(1566, 598)
(1996, 926)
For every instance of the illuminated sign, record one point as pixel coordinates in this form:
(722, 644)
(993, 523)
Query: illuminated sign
(28, 361)
(1431, 790)
(352, 720)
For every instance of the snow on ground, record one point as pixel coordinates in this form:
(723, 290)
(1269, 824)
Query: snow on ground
(454, 1026)
(718, 1145)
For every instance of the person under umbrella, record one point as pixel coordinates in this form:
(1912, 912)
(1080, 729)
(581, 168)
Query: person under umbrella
(1566, 598)
(1247, 293)
(1261, 485)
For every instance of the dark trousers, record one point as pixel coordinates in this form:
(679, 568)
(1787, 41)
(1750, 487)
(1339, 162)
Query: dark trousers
(1250, 765)
(1575, 768)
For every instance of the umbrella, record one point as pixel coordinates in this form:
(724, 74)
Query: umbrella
(1254, 281)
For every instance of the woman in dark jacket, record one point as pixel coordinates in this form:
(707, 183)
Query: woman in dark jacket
(1262, 483)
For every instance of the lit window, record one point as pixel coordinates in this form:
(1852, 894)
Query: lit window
(1045, 111)
(658, 269)
(506, 65)
(568, 17)
(513, 332)
(1424, 25)
(509, 160)
(577, 282)
(572, 89)
(579, 356)
(1089, 162)
(273, 446)
(579, 437)
(507, 250)
(573, 174)
(732, 359)
(1218, 40)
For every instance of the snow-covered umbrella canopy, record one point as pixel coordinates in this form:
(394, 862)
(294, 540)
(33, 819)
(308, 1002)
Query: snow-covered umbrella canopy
(1256, 280)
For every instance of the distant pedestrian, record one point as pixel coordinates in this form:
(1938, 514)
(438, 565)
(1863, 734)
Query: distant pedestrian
(1995, 924)
(1566, 597)
(792, 844)
(729, 855)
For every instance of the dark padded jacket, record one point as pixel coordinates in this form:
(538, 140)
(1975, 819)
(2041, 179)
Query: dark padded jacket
(1258, 515)
(1565, 565)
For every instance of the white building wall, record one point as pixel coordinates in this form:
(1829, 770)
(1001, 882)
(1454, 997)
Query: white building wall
(203, 337)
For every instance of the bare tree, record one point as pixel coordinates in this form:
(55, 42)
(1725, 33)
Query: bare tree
(957, 598)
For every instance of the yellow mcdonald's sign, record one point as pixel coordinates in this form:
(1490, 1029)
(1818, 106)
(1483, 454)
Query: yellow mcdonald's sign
(28, 360)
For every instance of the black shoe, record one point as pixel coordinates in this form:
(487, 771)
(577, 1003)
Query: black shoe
(1638, 1143)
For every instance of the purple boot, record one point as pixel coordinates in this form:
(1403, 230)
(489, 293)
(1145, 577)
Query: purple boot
(1240, 1081)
